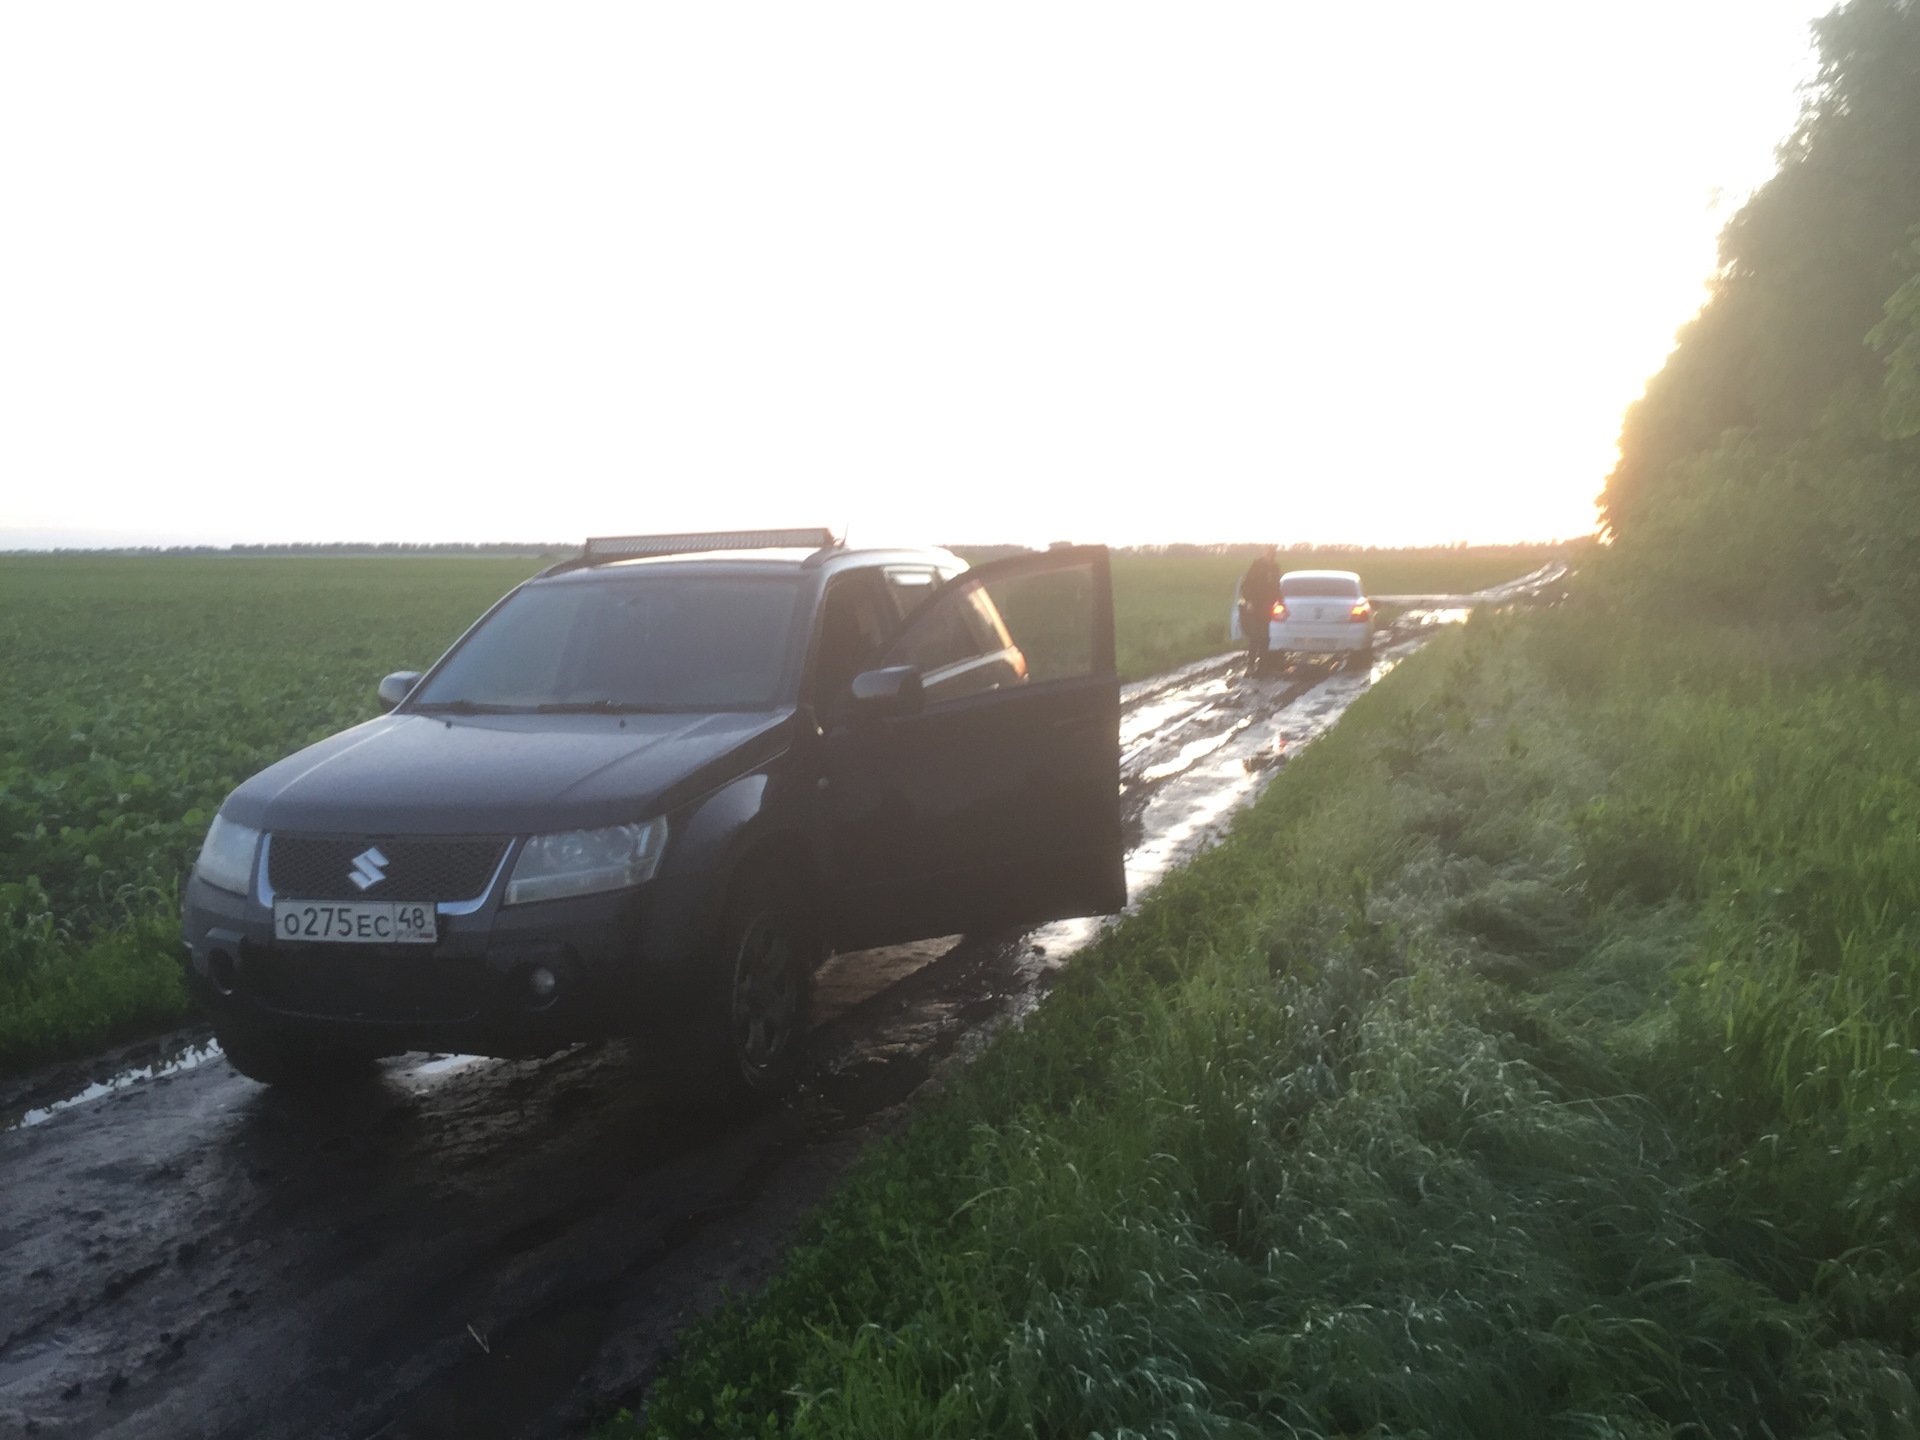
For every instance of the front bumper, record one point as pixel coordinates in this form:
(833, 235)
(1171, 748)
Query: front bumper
(623, 961)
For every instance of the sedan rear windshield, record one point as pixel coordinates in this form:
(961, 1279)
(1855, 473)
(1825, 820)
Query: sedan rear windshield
(631, 643)
(1291, 585)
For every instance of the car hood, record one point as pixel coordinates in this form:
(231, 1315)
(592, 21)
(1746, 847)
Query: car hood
(503, 774)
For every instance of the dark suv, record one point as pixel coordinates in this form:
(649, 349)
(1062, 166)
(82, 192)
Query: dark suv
(651, 788)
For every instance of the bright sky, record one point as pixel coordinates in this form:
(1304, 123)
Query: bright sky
(1379, 273)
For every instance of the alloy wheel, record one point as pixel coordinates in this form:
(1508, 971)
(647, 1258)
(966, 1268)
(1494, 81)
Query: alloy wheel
(766, 998)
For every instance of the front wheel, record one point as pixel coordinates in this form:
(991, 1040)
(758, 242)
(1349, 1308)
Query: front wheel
(766, 962)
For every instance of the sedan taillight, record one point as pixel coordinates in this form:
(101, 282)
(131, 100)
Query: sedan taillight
(1362, 610)
(1279, 609)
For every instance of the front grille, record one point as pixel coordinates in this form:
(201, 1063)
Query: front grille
(306, 867)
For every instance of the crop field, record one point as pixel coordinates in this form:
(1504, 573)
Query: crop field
(138, 693)
(139, 690)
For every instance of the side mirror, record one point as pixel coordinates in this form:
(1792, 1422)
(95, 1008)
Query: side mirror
(892, 691)
(396, 687)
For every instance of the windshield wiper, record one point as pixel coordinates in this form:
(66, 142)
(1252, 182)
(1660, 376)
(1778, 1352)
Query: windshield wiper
(596, 707)
(467, 707)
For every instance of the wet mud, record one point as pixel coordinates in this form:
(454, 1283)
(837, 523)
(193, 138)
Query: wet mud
(493, 1248)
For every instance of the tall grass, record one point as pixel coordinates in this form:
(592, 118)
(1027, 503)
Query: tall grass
(1536, 1058)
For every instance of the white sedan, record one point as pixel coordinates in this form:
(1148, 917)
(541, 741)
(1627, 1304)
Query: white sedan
(1319, 612)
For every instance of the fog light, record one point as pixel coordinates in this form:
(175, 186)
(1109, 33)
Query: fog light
(541, 984)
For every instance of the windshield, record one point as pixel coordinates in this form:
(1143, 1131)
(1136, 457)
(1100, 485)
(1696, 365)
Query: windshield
(1329, 585)
(626, 643)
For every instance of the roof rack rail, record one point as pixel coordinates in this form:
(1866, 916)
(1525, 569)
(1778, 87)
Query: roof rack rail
(605, 549)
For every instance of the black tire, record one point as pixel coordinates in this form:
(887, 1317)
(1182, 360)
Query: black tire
(1360, 659)
(761, 996)
(261, 1051)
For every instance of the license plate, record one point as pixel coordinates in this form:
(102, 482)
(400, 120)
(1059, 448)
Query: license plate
(355, 922)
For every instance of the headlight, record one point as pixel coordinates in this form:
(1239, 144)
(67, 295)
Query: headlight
(226, 855)
(582, 862)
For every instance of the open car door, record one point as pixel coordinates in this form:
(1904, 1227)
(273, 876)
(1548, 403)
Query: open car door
(975, 781)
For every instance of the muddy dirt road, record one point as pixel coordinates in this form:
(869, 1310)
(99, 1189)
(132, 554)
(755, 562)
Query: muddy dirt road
(483, 1248)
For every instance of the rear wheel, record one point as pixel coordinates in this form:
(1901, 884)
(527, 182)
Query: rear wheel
(758, 1018)
(1360, 659)
(261, 1051)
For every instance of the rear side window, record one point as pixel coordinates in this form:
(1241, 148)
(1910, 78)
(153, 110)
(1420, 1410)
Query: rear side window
(1327, 585)
(909, 585)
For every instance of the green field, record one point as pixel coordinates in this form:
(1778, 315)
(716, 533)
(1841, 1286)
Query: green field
(139, 690)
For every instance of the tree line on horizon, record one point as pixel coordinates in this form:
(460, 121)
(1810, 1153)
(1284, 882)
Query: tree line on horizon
(555, 549)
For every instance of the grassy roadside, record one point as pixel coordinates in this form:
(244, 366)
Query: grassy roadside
(1538, 1057)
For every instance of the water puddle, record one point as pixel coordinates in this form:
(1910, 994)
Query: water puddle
(1147, 723)
(191, 1058)
(442, 1064)
(1195, 751)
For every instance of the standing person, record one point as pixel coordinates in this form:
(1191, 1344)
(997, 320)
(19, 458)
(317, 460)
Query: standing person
(1259, 590)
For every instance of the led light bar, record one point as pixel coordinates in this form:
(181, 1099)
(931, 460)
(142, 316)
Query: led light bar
(616, 547)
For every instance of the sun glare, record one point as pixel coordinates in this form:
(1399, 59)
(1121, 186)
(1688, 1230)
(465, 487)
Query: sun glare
(1005, 273)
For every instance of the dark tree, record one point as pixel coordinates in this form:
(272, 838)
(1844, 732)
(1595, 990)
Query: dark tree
(1805, 266)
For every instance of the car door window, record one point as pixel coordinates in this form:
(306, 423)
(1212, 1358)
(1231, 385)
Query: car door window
(852, 629)
(1049, 616)
(1012, 630)
(961, 647)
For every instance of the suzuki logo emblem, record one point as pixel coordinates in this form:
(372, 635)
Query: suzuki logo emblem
(369, 868)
